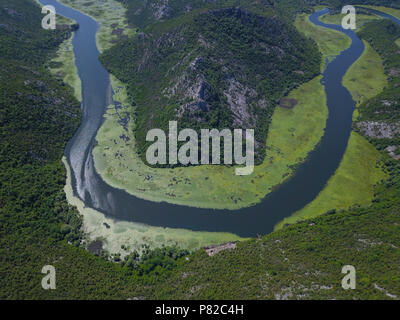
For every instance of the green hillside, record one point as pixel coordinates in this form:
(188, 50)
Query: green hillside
(224, 68)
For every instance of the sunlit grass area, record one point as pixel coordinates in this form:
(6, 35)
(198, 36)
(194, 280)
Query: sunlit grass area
(352, 185)
(358, 173)
(63, 63)
(111, 16)
(330, 42)
(63, 66)
(365, 78)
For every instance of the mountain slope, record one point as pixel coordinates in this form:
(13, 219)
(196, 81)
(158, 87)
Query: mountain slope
(222, 68)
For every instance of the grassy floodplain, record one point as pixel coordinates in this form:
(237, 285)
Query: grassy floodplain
(63, 66)
(330, 42)
(293, 133)
(111, 16)
(359, 172)
(366, 78)
(135, 235)
(351, 185)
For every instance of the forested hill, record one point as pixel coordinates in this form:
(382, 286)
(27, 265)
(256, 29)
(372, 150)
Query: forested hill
(142, 13)
(230, 68)
(342, 3)
(24, 49)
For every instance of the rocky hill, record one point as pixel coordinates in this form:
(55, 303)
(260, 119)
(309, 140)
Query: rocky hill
(212, 68)
(142, 13)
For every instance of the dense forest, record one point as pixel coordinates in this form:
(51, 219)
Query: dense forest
(142, 13)
(222, 68)
(38, 114)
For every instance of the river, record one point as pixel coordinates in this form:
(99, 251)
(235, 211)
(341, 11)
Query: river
(307, 182)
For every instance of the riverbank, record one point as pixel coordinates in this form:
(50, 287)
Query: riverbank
(63, 67)
(110, 15)
(366, 78)
(330, 42)
(125, 237)
(354, 182)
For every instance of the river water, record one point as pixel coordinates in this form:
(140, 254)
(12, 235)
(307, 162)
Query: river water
(308, 180)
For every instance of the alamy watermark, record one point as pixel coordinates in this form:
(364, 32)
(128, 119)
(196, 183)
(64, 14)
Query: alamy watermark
(349, 21)
(49, 281)
(349, 280)
(49, 20)
(189, 153)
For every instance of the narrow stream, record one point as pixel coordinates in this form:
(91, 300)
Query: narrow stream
(309, 179)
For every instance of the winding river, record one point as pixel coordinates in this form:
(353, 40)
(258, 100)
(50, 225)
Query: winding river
(309, 179)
